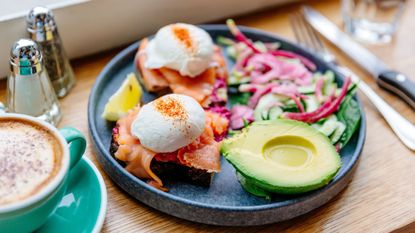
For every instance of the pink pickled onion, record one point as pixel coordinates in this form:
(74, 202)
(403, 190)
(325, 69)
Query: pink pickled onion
(239, 113)
(267, 67)
(239, 36)
(243, 59)
(259, 93)
(297, 102)
(330, 106)
(283, 53)
(338, 147)
(259, 90)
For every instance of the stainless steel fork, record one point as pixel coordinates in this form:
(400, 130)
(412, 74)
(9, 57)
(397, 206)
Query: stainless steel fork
(309, 39)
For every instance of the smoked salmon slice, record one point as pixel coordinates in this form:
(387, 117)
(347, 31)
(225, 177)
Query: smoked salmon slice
(152, 79)
(203, 153)
(218, 58)
(199, 87)
(195, 154)
(218, 123)
(130, 150)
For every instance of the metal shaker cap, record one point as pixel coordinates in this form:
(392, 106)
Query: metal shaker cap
(25, 57)
(40, 23)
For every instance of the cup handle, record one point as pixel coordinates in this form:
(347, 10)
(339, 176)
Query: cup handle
(2, 108)
(76, 142)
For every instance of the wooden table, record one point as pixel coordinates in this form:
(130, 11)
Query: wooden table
(381, 196)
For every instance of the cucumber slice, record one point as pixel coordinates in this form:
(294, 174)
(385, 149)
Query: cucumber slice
(273, 45)
(311, 103)
(329, 76)
(261, 111)
(237, 78)
(329, 88)
(307, 89)
(328, 127)
(231, 52)
(317, 76)
(260, 46)
(257, 115)
(337, 134)
(329, 84)
(338, 91)
(290, 102)
(274, 113)
(264, 115)
(225, 41)
(290, 60)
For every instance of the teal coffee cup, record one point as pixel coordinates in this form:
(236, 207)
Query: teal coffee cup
(30, 212)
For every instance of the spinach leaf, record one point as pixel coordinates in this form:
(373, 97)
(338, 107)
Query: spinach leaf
(349, 114)
(239, 98)
(290, 108)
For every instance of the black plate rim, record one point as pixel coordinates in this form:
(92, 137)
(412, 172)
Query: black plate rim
(103, 149)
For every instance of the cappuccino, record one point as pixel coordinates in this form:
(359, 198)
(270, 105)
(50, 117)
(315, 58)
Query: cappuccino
(30, 157)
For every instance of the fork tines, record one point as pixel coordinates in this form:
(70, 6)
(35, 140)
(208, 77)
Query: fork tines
(304, 34)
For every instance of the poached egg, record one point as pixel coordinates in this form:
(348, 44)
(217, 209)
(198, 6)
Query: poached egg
(169, 123)
(182, 47)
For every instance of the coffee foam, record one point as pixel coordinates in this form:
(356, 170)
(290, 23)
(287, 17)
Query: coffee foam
(30, 156)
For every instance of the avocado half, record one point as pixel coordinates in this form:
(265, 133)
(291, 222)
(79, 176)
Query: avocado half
(281, 156)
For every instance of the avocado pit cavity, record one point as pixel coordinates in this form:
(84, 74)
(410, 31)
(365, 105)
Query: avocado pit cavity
(289, 151)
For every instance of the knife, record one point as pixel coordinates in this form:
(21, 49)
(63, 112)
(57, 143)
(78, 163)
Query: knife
(386, 78)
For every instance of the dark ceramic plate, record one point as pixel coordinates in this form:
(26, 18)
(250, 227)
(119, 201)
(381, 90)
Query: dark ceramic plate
(225, 202)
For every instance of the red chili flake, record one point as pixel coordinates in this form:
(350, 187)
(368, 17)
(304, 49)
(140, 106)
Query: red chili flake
(183, 35)
(171, 107)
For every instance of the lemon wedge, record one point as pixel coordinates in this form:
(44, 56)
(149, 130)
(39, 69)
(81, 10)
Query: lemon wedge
(126, 98)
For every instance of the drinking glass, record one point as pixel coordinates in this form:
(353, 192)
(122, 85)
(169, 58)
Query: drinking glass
(372, 21)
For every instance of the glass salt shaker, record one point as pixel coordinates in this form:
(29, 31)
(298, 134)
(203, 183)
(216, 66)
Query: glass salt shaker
(42, 28)
(29, 90)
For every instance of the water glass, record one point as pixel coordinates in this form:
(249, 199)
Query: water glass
(372, 21)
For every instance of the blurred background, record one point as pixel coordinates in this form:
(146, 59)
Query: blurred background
(90, 26)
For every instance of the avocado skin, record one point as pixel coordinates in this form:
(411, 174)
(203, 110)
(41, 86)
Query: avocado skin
(252, 184)
(289, 190)
(251, 188)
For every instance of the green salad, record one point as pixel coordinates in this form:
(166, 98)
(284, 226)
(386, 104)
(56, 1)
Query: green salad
(288, 118)
(270, 83)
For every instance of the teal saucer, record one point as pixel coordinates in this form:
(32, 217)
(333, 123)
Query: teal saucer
(84, 205)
